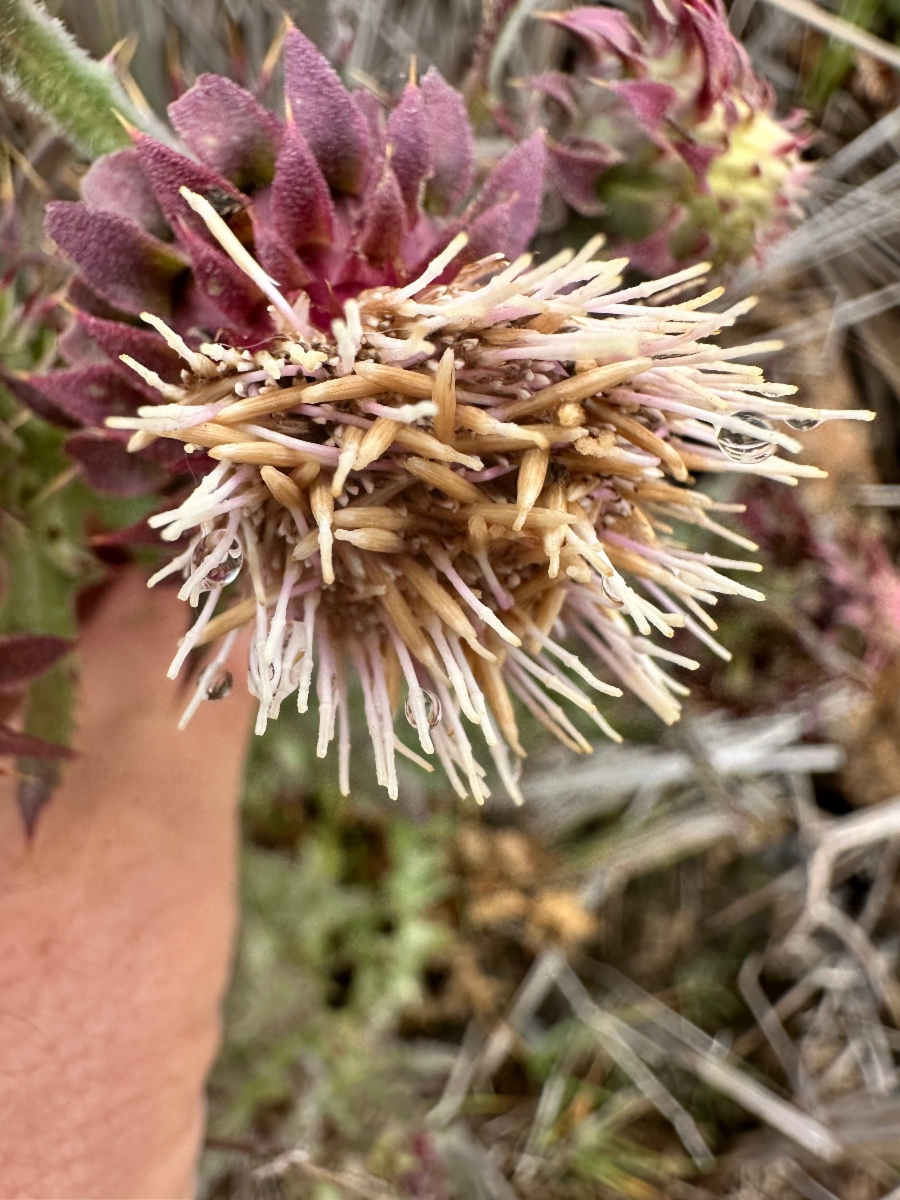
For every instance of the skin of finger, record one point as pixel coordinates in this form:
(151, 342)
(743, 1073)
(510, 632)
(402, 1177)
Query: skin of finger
(116, 925)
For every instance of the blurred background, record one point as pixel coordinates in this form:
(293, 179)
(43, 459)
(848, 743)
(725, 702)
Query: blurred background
(603, 993)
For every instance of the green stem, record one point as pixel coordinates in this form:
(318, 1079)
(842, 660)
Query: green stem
(51, 716)
(41, 65)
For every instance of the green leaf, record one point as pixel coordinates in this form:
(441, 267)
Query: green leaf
(38, 597)
(835, 58)
(41, 65)
(50, 716)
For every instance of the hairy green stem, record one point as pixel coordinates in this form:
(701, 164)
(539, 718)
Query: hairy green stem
(41, 65)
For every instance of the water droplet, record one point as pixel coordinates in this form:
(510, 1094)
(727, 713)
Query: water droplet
(606, 589)
(224, 572)
(220, 685)
(432, 710)
(803, 424)
(747, 447)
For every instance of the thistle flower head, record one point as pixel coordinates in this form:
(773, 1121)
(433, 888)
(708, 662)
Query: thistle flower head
(664, 135)
(464, 495)
(420, 461)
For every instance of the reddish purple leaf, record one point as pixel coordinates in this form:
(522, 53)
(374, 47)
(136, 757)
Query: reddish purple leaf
(382, 229)
(300, 201)
(82, 297)
(281, 262)
(271, 251)
(373, 114)
(77, 349)
(724, 56)
(337, 132)
(452, 147)
(409, 148)
(125, 266)
(115, 338)
(653, 255)
(490, 232)
(167, 171)
(557, 86)
(115, 183)
(25, 656)
(90, 394)
(231, 293)
(229, 130)
(27, 746)
(140, 533)
(494, 14)
(601, 29)
(514, 186)
(20, 386)
(650, 102)
(698, 158)
(575, 168)
(109, 468)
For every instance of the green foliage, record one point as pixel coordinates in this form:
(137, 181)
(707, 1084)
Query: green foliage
(45, 512)
(335, 936)
(41, 65)
(835, 60)
(705, 992)
(583, 1147)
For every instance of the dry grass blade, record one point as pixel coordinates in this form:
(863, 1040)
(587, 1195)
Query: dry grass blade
(837, 27)
(614, 1036)
(350, 1185)
(851, 833)
(801, 1128)
(767, 1019)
